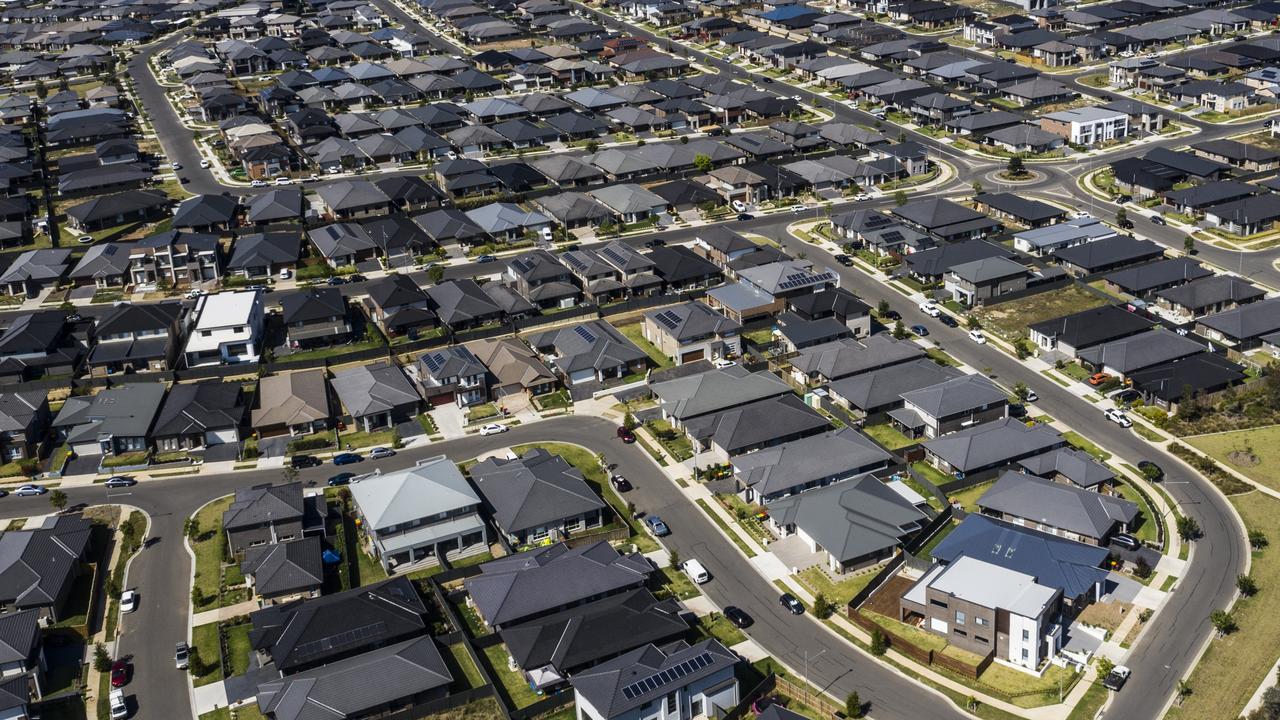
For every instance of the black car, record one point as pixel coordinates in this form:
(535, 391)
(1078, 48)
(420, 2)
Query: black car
(892, 315)
(654, 242)
(337, 281)
(120, 481)
(845, 260)
(948, 321)
(1126, 541)
(340, 479)
(789, 601)
(736, 616)
(1154, 472)
(487, 258)
(305, 461)
(746, 216)
(1157, 220)
(1125, 224)
(1116, 678)
(356, 278)
(620, 483)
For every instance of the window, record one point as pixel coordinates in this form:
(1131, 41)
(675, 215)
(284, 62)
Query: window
(961, 633)
(1026, 636)
(1026, 655)
(671, 704)
(980, 639)
(938, 603)
(982, 622)
(960, 617)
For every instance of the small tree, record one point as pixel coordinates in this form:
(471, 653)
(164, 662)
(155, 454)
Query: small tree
(629, 421)
(592, 146)
(1183, 690)
(58, 500)
(703, 162)
(1015, 167)
(972, 323)
(101, 660)
(1141, 569)
(879, 643)
(1122, 217)
(900, 198)
(675, 557)
(197, 596)
(191, 528)
(977, 188)
(1188, 528)
(822, 607)
(1020, 349)
(1105, 666)
(853, 706)
(882, 308)
(1257, 539)
(1151, 472)
(1020, 391)
(435, 274)
(1223, 621)
(1246, 585)
(195, 663)
(1189, 245)
(899, 330)
(41, 90)
(397, 442)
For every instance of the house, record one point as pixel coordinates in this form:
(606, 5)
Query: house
(985, 448)
(39, 566)
(315, 317)
(1077, 231)
(376, 396)
(1144, 280)
(681, 270)
(1241, 327)
(932, 264)
(951, 405)
(116, 421)
(266, 514)
(1246, 156)
(195, 416)
(1087, 126)
(779, 472)
(1023, 211)
(37, 344)
(795, 333)
(753, 426)
(691, 680)
(420, 514)
(141, 337)
(174, 259)
(227, 330)
(1204, 374)
(1197, 199)
(399, 307)
(1070, 334)
(284, 571)
(462, 304)
(265, 255)
(683, 399)
(536, 583)
(405, 673)
(541, 279)
(452, 374)
(1058, 508)
(988, 610)
(946, 220)
(1108, 254)
(877, 392)
(538, 498)
(296, 403)
(846, 357)
(1139, 351)
(301, 636)
(1074, 467)
(835, 303)
(23, 664)
(106, 211)
(692, 331)
(855, 523)
(34, 271)
(977, 281)
(1208, 295)
(24, 421)
(593, 351)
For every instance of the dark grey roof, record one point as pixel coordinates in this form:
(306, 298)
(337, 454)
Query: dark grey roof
(265, 250)
(1092, 327)
(19, 636)
(1160, 273)
(367, 389)
(846, 357)
(1077, 466)
(987, 270)
(692, 320)
(312, 304)
(199, 407)
(129, 317)
(1247, 321)
(1087, 513)
(594, 344)
(694, 395)
(287, 567)
(957, 395)
(1212, 290)
(1101, 254)
(526, 584)
(631, 680)
(124, 411)
(536, 490)
(1199, 373)
(204, 210)
(840, 452)
(1020, 207)
(1141, 351)
(461, 301)
(886, 386)
(757, 424)
(989, 444)
(937, 260)
(259, 504)
(36, 565)
(853, 518)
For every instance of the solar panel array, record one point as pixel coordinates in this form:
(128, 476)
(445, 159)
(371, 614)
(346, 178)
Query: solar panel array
(668, 319)
(657, 680)
(585, 334)
(612, 253)
(573, 260)
(433, 361)
(795, 280)
(341, 639)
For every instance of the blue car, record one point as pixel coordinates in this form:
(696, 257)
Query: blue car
(656, 526)
(346, 459)
(487, 258)
(920, 330)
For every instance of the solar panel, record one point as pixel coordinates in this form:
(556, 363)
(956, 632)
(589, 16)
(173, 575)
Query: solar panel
(627, 693)
(668, 319)
(585, 334)
(338, 640)
(612, 253)
(657, 680)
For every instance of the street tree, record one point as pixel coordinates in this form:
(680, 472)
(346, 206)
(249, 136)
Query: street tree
(702, 162)
(58, 500)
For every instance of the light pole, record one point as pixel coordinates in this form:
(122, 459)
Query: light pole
(806, 672)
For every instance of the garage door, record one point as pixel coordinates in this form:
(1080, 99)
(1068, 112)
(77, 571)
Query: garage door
(221, 437)
(692, 356)
(445, 399)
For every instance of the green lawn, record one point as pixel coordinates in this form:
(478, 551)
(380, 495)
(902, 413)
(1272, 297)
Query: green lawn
(718, 626)
(1080, 442)
(635, 333)
(554, 400)
(941, 357)
(204, 639)
(209, 551)
(838, 591)
(1075, 371)
(483, 411)
(1146, 530)
(746, 549)
(1091, 703)
(927, 551)
(239, 648)
(361, 439)
(511, 684)
(1010, 319)
(1232, 449)
(888, 436)
(428, 424)
(332, 351)
(931, 473)
(676, 582)
(1234, 666)
(678, 446)
(759, 336)
(968, 498)
(463, 669)
(915, 635)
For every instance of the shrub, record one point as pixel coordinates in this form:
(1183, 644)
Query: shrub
(879, 642)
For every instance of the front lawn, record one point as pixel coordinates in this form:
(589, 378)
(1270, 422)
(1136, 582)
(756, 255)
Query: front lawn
(675, 442)
(483, 411)
(838, 591)
(1146, 530)
(204, 640)
(1079, 441)
(385, 438)
(968, 498)
(674, 581)
(238, 647)
(718, 626)
(1254, 453)
(553, 400)
(209, 547)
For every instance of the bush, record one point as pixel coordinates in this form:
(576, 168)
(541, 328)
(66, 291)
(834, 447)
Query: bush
(1142, 569)
(313, 443)
(879, 642)
(101, 660)
(822, 607)
(1257, 539)
(1223, 621)
(1246, 585)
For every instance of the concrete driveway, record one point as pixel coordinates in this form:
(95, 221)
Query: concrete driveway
(1121, 588)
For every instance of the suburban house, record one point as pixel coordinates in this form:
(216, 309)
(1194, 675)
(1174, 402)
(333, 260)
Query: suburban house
(541, 279)
(22, 662)
(538, 498)
(39, 566)
(1167, 385)
(977, 281)
(296, 403)
(1070, 334)
(753, 426)
(784, 470)
(376, 396)
(263, 255)
(1107, 254)
(315, 317)
(284, 571)
(452, 374)
(1058, 508)
(1244, 326)
(985, 448)
(593, 351)
(399, 307)
(116, 421)
(420, 514)
(950, 405)
(836, 303)
(1075, 467)
(136, 337)
(513, 368)
(1208, 295)
(843, 358)
(267, 514)
(856, 523)
(537, 583)
(684, 399)
(1138, 352)
(692, 331)
(24, 423)
(877, 394)
(1088, 126)
(227, 330)
(195, 416)
(678, 680)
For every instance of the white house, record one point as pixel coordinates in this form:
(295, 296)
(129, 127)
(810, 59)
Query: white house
(228, 329)
(1087, 125)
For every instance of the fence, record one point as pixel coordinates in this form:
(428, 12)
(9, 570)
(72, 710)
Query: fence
(1031, 290)
(924, 656)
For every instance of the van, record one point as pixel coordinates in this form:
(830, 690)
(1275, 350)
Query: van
(119, 709)
(695, 571)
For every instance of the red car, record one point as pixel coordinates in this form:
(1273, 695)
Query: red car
(626, 435)
(119, 673)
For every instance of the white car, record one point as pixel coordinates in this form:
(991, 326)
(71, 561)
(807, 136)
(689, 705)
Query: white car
(860, 197)
(978, 337)
(333, 170)
(381, 452)
(128, 601)
(493, 429)
(284, 181)
(312, 178)
(930, 309)
(739, 206)
(176, 166)
(1119, 418)
(284, 273)
(119, 709)
(1032, 396)
(258, 183)
(797, 209)
(30, 490)
(722, 363)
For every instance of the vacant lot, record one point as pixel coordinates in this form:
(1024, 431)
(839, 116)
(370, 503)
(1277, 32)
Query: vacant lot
(1010, 319)
(1254, 453)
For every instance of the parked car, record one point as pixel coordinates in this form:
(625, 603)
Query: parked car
(204, 164)
(746, 216)
(696, 572)
(620, 483)
(180, 656)
(1125, 224)
(119, 674)
(626, 435)
(930, 309)
(1157, 220)
(797, 209)
(656, 526)
(487, 258)
(977, 336)
(948, 321)
(1031, 396)
(920, 330)
(1099, 378)
(789, 601)
(739, 206)
(119, 709)
(340, 479)
(1126, 396)
(26, 490)
(347, 459)
(258, 183)
(493, 429)
(654, 242)
(737, 616)
(335, 280)
(305, 461)
(128, 601)
(1126, 541)
(1154, 472)
(1116, 678)
(176, 166)
(1118, 417)
(381, 452)
(120, 481)
(722, 363)
(845, 260)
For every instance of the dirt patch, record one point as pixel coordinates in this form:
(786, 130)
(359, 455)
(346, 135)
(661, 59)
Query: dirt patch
(1107, 615)
(885, 600)
(1011, 318)
(1242, 458)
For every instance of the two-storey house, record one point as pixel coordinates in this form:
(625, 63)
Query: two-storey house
(131, 338)
(454, 374)
(227, 330)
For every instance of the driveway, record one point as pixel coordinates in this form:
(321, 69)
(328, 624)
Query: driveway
(1120, 587)
(451, 420)
(87, 465)
(794, 553)
(274, 446)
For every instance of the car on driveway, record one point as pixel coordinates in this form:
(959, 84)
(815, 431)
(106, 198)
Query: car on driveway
(1099, 378)
(656, 526)
(737, 616)
(977, 336)
(119, 674)
(346, 459)
(1118, 417)
(120, 481)
(1126, 541)
(180, 655)
(1116, 678)
(722, 363)
(26, 490)
(128, 601)
(620, 483)
(1153, 471)
(493, 429)
(340, 479)
(381, 452)
(920, 330)
(793, 606)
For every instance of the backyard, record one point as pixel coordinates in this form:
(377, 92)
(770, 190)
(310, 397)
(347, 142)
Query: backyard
(1010, 319)
(888, 436)
(931, 473)
(1254, 453)
(635, 333)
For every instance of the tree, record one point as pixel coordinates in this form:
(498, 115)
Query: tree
(899, 330)
(702, 162)
(397, 442)
(1257, 539)
(629, 421)
(435, 274)
(58, 500)
(1189, 245)
(1246, 585)
(1224, 622)
(853, 706)
(977, 188)
(197, 596)
(684, 139)
(1122, 217)
(1141, 569)
(101, 660)
(900, 198)
(882, 308)
(675, 558)
(1020, 349)
(195, 663)
(1105, 666)
(1020, 391)
(972, 323)
(191, 528)
(879, 643)
(592, 146)
(1188, 528)
(1015, 167)
(822, 607)
(41, 90)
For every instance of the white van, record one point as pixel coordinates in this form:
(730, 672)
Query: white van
(118, 707)
(695, 571)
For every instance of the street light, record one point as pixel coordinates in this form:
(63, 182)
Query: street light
(806, 671)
